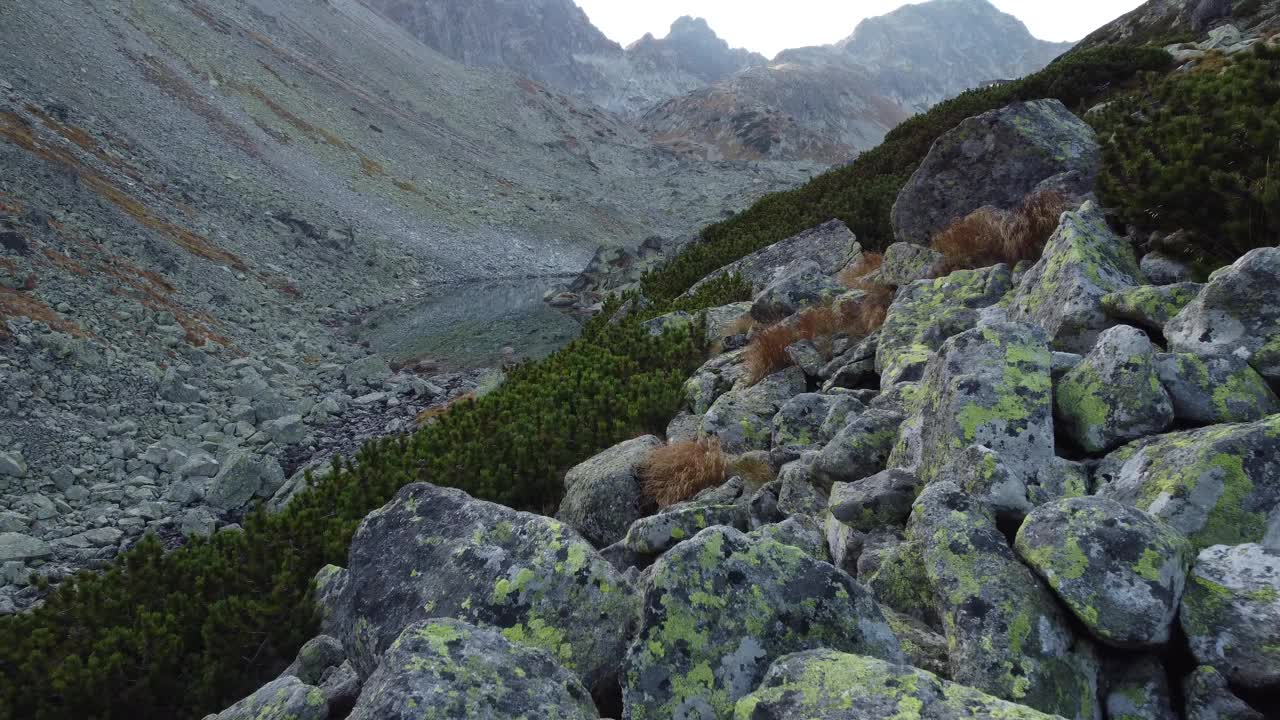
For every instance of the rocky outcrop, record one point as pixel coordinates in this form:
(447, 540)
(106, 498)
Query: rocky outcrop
(1231, 613)
(831, 245)
(602, 496)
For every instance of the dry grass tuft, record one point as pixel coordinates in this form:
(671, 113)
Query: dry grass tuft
(767, 352)
(987, 236)
(755, 472)
(678, 471)
(853, 276)
(435, 411)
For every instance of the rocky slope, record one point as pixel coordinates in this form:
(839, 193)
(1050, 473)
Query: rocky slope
(1166, 19)
(198, 198)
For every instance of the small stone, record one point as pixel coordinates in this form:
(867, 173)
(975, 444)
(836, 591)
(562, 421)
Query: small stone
(12, 465)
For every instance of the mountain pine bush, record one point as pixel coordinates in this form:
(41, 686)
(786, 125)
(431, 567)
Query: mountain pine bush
(1200, 151)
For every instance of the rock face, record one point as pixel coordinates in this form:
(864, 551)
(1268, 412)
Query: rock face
(838, 686)
(996, 159)
(832, 245)
(1209, 698)
(434, 552)
(1150, 306)
(1119, 570)
(602, 496)
(1231, 613)
(1213, 390)
(722, 606)
(1216, 486)
(449, 669)
(284, 699)
(742, 418)
(801, 285)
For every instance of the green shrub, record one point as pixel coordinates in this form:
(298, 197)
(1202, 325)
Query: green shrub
(863, 192)
(1200, 151)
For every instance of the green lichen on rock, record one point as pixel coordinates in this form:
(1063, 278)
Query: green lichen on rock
(901, 583)
(742, 419)
(1137, 689)
(722, 606)
(1231, 613)
(658, 533)
(830, 685)
(1214, 390)
(1150, 306)
(286, 698)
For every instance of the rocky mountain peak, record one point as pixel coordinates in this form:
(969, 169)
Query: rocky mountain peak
(694, 48)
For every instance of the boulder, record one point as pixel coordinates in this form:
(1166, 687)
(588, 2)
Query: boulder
(1119, 570)
(242, 477)
(861, 448)
(801, 285)
(808, 420)
(672, 321)
(722, 606)
(602, 496)
(1215, 390)
(905, 263)
(898, 580)
(925, 313)
(1161, 269)
(715, 378)
(831, 245)
(445, 668)
(371, 371)
(286, 698)
(12, 465)
(1007, 635)
(996, 158)
(436, 552)
(1150, 306)
(1238, 313)
(724, 321)
(1138, 689)
(1216, 485)
(1115, 395)
(742, 419)
(659, 533)
(829, 685)
(882, 500)
(1231, 613)
(1209, 698)
(19, 546)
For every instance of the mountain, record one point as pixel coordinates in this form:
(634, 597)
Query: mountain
(692, 47)
(1167, 20)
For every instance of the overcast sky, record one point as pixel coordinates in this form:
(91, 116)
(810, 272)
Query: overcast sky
(769, 26)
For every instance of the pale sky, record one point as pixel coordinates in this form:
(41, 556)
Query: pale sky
(770, 26)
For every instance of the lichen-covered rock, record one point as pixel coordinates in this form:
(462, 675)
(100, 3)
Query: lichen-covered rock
(242, 477)
(899, 581)
(807, 421)
(830, 685)
(1137, 689)
(925, 647)
(1216, 485)
(925, 313)
(715, 378)
(996, 158)
(316, 656)
(659, 533)
(1209, 698)
(989, 386)
(800, 531)
(1215, 390)
(742, 419)
(286, 698)
(861, 448)
(905, 262)
(1119, 570)
(722, 606)
(1161, 269)
(441, 669)
(723, 321)
(800, 490)
(802, 285)
(602, 495)
(832, 245)
(436, 552)
(1151, 306)
(670, 322)
(1231, 613)
(1115, 395)
(1062, 293)
(1238, 312)
(1007, 634)
(882, 500)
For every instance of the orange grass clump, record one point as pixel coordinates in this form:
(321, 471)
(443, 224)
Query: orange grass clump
(988, 236)
(853, 276)
(676, 472)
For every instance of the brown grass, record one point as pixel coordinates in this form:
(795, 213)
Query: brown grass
(988, 237)
(676, 472)
(18, 304)
(852, 276)
(767, 352)
(755, 472)
(431, 413)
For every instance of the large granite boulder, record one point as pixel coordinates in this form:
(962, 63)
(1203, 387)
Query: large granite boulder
(1214, 390)
(436, 552)
(1006, 632)
(1231, 613)
(716, 377)
(996, 158)
(721, 607)
(1115, 394)
(445, 668)
(1216, 485)
(831, 245)
(742, 419)
(1083, 262)
(830, 685)
(1238, 313)
(882, 500)
(285, 698)
(1119, 570)
(602, 496)
(807, 421)
(801, 285)
(861, 448)
(1208, 697)
(1150, 306)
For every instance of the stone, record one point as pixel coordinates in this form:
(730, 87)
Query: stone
(603, 497)
(287, 430)
(1237, 313)
(447, 668)
(830, 245)
(1119, 570)
(371, 371)
(659, 533)
(742, 419)
(285, 698)
(1215, 390)
(199, 465)
(905, 263)
(721, 606)
(19, 546)
(1209, 698)
(926, 313)
(805, 355)
(1115, 394)
(12, 465)
(898, 580)
(726, 321)
(1231, 613)
(239, 480)
(799, 531)
(861, 449)
(716, 377)
(1137, 689)
(315, 657)
(801, 285)
(1062, 293)
(1007, 634)
(1161, 269)
(807, 421)
(882, 500)
(829, 685)
(1217, 485)
(1150, 306)
(671, 322)
(436, 552)
(996, 158)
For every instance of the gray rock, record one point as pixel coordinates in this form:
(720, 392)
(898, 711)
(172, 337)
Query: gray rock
(882, 500)
(371, 371)
(742, 419)
(861, 448)
(800, 531)
(800, 286)
(1209, 698)
(831, 245)
(435, 552)
(896, 576)
(722, 321)
(199, 465)
(285, 698)
(1162, 269)
(12, 465)
(1115, 395)
(1150, 306)
(239, 480)
(449, 669)
(1119, 570)
(996, 158)
(1062, 293)
(840, 686)
(1137, 689)
(905, 263)
(316, 656)
(603, 495)
(806, 421)
(805, 355)
(1231, 613)
(18, 546)
(715, 378)
(1215, 390)
(659, 533)
(684, 428)
(722, 606)
(1006, 632)
(287, 430)
(670, 322)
